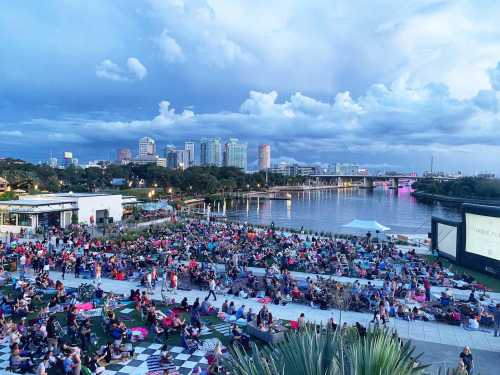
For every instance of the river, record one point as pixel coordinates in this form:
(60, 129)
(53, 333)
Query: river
(328, 210)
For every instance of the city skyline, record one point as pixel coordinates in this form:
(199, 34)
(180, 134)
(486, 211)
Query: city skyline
(320, 82)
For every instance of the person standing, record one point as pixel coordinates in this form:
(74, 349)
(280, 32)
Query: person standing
(97, 272)
(466, 357)
(427, 287)
(63, 268)
(149, 285)
(496, 316)
(78, 263)
(22, 263)
(211, 287)
(173, 282)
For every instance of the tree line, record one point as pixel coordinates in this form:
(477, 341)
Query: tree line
(466, 187)
(196, 180)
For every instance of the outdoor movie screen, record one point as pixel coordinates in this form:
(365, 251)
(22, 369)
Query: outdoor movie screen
(447, 239)
(482, 235)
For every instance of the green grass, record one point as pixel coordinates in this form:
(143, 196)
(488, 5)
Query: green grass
(490, 281)
(132, 319)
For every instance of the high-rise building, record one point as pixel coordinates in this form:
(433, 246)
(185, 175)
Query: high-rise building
(53, 162)
(67, 159)
(147, 147)
(235, 154)
(210, 152)
(123, 155)
(170, 153)
(183, 159)
(189, 147)
(264, 157)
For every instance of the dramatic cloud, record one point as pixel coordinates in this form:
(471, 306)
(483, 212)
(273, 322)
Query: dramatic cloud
(405, 117)
(107, 69)
(319, 80)
(170, 50)
(136, 68)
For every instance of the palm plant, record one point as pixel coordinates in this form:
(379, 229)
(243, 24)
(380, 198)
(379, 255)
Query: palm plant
(320, 351)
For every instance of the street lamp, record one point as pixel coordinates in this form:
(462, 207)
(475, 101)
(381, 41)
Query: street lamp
(248, 187)
(36, 187)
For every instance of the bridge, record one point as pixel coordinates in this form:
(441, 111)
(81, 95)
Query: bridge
(367, 182)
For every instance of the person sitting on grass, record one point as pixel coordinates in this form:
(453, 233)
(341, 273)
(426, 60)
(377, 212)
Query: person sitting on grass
(239, 337)
(166, 357)
(20, 362)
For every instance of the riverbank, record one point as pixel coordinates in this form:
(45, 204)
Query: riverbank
(453, 200)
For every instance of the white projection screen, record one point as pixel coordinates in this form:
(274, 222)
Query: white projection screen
(447, 239)
(482, 235)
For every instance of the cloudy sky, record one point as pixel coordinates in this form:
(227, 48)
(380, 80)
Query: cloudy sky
(386, 84)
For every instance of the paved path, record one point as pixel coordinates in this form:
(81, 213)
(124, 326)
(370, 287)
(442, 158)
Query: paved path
(439, 356)
(418, 330)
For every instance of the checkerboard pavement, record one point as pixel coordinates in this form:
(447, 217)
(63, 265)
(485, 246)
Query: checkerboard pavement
(222, 328)
(145, 352)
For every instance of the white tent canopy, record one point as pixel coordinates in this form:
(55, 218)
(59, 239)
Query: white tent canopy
(370, 225)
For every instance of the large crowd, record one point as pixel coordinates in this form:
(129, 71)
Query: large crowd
(390, 282)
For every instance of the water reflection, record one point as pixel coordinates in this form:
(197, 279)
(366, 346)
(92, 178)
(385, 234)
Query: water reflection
(328, 210)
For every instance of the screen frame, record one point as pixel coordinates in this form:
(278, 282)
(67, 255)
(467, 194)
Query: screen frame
(476, 261)
(435, 220)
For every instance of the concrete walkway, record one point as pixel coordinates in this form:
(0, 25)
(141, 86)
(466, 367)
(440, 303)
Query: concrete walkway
(418, 330)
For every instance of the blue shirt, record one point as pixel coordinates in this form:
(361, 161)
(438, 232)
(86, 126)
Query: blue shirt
(68, 364)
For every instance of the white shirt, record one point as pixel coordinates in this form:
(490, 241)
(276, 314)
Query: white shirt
(22, 260)
(41, 370)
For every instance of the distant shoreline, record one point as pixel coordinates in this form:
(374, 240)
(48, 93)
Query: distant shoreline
(453, 200)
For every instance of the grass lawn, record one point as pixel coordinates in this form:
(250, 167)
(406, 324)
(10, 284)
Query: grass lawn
(490, 281)
(132, 319)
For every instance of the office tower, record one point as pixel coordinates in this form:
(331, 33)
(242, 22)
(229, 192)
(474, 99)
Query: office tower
(67, 159)
(53, 162)
(147, 147)
(189, 147)
(170, 154)
(168, 149)
(182, 159)
(235, 154)
(210, 152)
(264, 157)
(123, 154)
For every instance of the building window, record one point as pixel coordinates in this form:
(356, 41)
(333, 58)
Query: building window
(24, 220)
(9, 219)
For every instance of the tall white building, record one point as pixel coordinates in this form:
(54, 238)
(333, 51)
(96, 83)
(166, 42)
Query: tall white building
(147, 147)
(211, 152)
(235, 154)
(189, 147)
(182, 159)
(264, 157)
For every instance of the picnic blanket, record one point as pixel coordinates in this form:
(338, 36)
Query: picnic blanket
(155, 365)
(84, 306)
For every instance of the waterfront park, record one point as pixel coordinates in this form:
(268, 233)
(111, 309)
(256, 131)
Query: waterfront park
(176, 288)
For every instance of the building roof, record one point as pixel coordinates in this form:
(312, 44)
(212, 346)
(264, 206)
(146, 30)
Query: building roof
(34, 202)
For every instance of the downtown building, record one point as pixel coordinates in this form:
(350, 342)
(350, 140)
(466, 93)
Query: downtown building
(123, 156)
(177, 159)
(190, 147)
(264, 157)
(235, 154)
(210, 152)
(147, 148)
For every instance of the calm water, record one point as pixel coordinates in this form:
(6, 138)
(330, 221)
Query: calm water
(329, 210)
